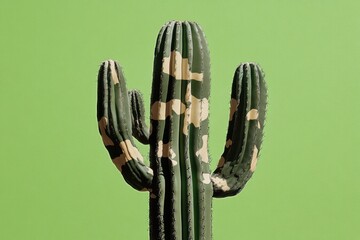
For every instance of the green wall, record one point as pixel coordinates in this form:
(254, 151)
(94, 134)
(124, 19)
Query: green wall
(56, 179)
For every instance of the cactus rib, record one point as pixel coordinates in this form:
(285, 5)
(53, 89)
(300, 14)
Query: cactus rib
(114, 122)
(139, 129)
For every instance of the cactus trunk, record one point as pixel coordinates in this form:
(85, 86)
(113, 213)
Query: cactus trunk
(179, 179)
(180, 203)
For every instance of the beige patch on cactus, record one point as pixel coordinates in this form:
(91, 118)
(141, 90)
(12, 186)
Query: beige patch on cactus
(186, 120)
(199, 110)
(233, 107)
(203, 151)
(206, 178)
(187, 111)
(188, 93)
(221, 162)
(254, 159)
(253, 114)
(196, 111)
(258, 125)
(130, 151)
(165, 150)
(105, 138)
(120, 161)
(176, 106)
(228, 143)
(158, 111)
(159, 149)
(220, 183)
(150, 171)
(161, 110)
(113, 73)
(178, 67)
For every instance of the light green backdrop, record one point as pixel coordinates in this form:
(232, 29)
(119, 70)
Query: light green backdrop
(56, 179)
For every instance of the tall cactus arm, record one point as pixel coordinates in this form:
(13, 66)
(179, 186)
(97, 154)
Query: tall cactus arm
(114, 121)
(245, 131)
(139, 129)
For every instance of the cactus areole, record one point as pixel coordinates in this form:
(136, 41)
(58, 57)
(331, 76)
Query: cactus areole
(179, 180)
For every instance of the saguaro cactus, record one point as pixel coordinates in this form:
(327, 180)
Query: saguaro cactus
(179, 180)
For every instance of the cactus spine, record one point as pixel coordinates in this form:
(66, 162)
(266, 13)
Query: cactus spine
(179, 179)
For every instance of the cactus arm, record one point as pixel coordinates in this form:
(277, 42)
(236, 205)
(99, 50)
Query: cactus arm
(139, 129)
(245, 131)
(114, 122)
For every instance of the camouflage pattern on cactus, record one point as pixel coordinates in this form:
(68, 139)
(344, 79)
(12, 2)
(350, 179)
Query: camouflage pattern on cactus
(179, 180)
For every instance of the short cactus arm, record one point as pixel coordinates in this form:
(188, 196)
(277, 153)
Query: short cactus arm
(245, 131)
(114, 121)
(139, 129)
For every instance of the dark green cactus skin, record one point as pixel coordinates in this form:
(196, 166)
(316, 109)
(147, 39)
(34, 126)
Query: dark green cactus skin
(179, 179)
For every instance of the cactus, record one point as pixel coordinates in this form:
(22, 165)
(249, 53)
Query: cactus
(179, 180)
